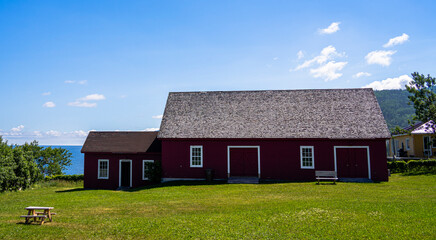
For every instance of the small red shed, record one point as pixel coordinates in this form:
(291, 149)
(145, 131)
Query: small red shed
(118, 159)
(279, 134)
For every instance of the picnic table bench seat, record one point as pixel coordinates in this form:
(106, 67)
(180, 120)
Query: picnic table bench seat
(326, 175)
(41, 218)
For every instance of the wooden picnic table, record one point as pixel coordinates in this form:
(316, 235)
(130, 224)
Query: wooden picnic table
(33, 214)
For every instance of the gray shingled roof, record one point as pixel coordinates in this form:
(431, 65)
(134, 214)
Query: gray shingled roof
(118, 142)
(332, 113)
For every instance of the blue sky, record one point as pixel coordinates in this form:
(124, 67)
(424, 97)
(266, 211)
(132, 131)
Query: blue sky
(68, 67)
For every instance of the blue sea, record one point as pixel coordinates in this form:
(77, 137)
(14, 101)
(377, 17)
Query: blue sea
(77, 159)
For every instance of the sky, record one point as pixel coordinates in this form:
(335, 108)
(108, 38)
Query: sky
(70, 67)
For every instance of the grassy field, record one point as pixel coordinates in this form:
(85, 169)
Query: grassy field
(404, 208)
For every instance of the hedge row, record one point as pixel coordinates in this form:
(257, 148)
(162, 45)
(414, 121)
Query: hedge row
(412, 166)
(77, 177)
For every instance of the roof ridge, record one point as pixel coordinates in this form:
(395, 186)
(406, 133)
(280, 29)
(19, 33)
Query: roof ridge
(274, 90)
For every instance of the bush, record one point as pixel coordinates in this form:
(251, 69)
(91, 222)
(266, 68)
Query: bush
(75, 178)
(413, 166)
(397, 166)
(154, 173)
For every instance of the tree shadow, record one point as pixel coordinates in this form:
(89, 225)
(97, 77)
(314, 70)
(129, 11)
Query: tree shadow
(73, 190)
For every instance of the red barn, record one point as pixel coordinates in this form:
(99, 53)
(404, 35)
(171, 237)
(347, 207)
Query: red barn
(118, 159)
(277, 135)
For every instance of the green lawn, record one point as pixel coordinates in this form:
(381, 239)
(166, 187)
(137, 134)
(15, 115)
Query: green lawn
(404, 208)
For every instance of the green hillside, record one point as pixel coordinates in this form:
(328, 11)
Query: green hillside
(395, 107)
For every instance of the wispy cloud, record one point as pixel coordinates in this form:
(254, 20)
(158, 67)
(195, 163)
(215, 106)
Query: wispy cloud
(18, 136)
(81, 82)
(390, 83)
(46, 93)
(49, 105)
(300, 54)
(84, 101)
(397, 40)
(17, 129)
(158, 116)
(380, 57)
(334, 27)
(93, 97)
(276, 58)
(327, 68)
(361, 74)
(82, 104)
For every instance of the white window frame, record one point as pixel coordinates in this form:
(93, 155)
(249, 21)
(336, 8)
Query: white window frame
(201, 156)
(143, 166)
(98, 168)
(397, 147)
(388, 147)
(301, 157)
(407, 144)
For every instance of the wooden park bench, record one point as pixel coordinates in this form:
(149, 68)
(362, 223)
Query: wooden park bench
(326, 175)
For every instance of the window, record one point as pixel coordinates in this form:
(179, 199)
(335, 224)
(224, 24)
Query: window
(426, 143)
(397, 147)
(103, 169)
(145, 168)
(388, 148)
(196, 156)
(407, 144)
(306, 157)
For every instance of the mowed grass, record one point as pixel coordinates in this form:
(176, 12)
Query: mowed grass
(403, 208)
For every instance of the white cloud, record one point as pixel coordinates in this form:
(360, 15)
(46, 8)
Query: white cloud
(327, 68)
(390, 83)
(81, 82)
(151, 129)
(380, 57)
(328, 71)
(397, 40)
(158, 116)
(46, 93)
(49, 105)
(82, 104)
(37, 133)
(300, 54)
(53, 133)
(334, 27)
(326, 54)
(18, 128)
(93, 97)
(80, 133)
(361, 74)
(276, 58)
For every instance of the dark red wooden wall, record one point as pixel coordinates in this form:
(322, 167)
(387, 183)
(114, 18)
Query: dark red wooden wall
(91, 169)
(280, 158)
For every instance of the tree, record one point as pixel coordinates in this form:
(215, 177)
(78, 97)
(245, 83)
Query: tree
(423, 97)
(53, 161)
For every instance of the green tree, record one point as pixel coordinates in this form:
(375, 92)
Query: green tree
(53, 161)
(422, 96)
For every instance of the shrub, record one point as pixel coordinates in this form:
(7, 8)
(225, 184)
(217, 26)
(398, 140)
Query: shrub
(415, 166)
(154, 173)
(397, 166)
(75, 178)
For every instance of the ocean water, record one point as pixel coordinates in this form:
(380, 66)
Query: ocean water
(77, 159)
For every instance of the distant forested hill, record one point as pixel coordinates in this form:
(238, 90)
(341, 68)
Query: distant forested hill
(395, 107)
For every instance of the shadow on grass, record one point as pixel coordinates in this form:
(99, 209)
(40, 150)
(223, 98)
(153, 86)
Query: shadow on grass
(177, 184)
(418, 173)
(74, 190)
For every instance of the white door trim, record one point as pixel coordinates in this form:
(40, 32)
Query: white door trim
(119, 175)
(258, 158)
(367, 153)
